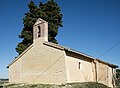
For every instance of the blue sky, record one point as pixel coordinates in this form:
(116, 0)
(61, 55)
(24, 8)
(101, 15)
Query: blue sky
(90, 26)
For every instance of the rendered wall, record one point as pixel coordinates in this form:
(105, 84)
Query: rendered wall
(41, 64)
(14, 72)
(105, 74)
(89, 72)
(47, 65)
(102, 73)
(74, 74)
(110, 77)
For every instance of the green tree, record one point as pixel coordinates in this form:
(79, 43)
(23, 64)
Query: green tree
(118, 78)
(118, 73)
(49, 11)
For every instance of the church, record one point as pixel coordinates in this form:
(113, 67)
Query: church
(44, 62)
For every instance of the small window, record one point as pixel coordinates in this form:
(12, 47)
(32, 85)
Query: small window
(79, 65)
(39, 31)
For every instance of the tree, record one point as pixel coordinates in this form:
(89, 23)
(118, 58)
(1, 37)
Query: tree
(118, 73)
(118, 77)
(51, 12)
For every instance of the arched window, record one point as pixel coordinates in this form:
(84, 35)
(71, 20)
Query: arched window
(39, 31)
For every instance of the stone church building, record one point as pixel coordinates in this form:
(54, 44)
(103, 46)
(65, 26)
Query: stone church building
(48, 63)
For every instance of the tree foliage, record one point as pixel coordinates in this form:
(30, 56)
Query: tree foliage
(118, 78)
(49, 11)
(118, 73)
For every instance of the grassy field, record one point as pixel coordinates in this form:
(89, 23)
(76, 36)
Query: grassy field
(73, 85)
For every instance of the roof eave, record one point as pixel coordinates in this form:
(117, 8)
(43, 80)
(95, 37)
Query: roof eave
(112, 65)
(70, 50)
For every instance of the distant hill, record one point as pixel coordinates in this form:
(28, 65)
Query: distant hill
(3, 81)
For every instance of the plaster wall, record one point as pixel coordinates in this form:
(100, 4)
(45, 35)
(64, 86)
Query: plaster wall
(105, 74)
(41, 64)
(14, 72)
(75, 74)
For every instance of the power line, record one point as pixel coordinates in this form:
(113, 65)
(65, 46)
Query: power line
(109, 49)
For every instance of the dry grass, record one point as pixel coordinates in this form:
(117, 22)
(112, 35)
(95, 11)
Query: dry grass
(72, 85)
